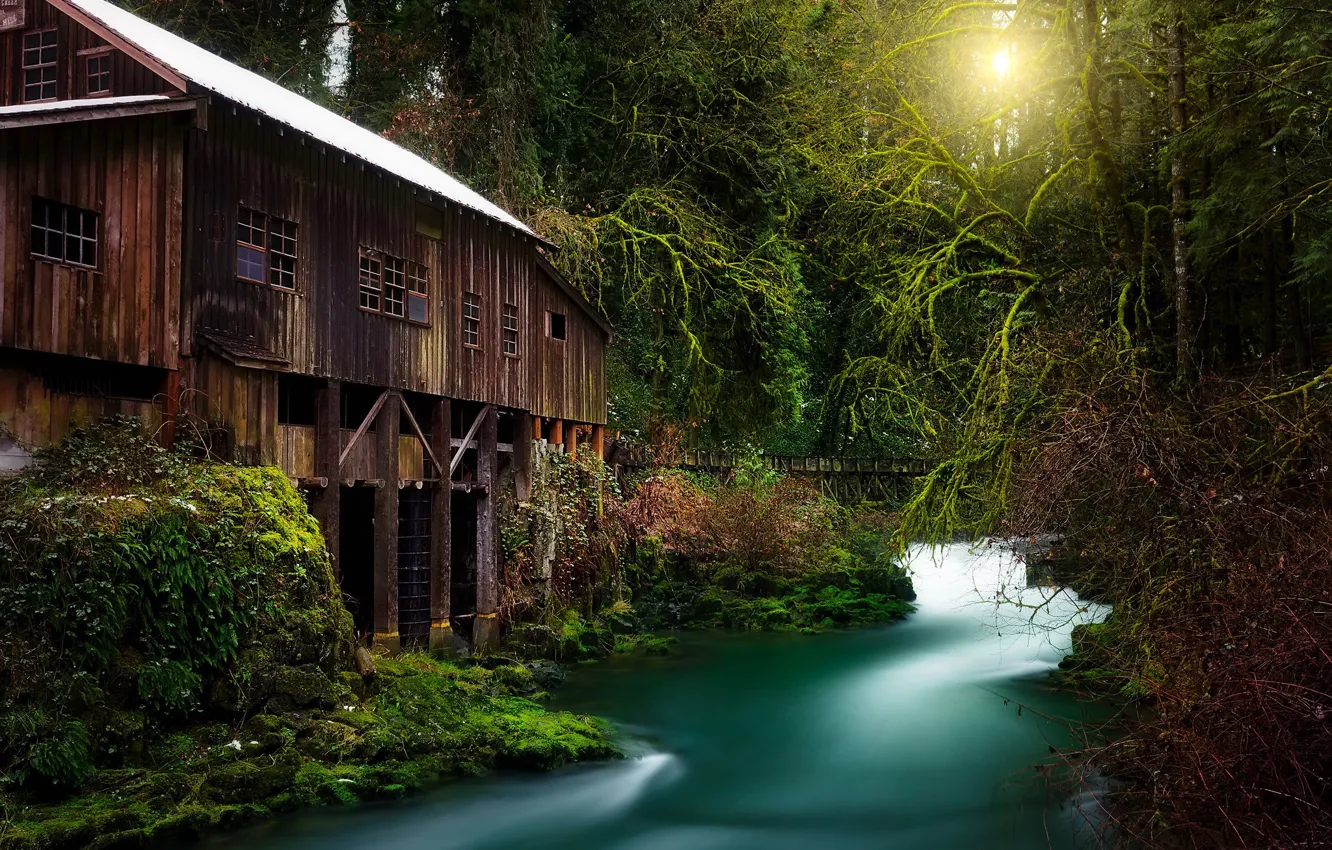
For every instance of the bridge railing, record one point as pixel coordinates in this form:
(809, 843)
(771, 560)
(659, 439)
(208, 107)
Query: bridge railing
(636, 457)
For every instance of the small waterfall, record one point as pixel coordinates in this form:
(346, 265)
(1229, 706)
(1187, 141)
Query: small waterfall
(981, 590)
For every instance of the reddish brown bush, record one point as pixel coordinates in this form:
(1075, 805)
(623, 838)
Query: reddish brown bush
(1209, 526)
(780, 526)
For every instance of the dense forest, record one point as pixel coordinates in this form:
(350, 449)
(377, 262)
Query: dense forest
(1076, 252)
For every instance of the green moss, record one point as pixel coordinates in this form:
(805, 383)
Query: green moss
(186, 663)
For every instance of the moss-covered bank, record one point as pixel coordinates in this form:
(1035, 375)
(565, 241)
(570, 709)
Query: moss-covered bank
(754, 552)
(175, 657)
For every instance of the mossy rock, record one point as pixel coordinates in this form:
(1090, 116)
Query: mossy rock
(304, 687)
(252, 781)
(328, 740)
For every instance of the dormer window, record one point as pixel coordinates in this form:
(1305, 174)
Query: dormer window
(39, 66)
(97, 74)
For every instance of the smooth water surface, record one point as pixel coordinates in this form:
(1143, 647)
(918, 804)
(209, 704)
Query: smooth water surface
(895, 737)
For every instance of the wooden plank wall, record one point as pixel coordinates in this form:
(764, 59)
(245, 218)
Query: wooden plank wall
(340, 205)
(129, 171)
(35, 416)
(128, 77)
(571, 377)
(241, 401)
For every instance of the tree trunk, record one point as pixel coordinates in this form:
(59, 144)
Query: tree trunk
(1271, 284)
(1179, 200)
(1295, 298)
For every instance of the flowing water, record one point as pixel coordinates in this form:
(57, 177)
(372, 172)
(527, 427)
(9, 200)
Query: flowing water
(908, 736)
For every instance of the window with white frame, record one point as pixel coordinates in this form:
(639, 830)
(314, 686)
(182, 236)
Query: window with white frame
(63, 233)
(471, 319)
(40, 50)
(509, 327)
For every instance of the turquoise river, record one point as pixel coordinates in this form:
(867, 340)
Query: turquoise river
(931, 734)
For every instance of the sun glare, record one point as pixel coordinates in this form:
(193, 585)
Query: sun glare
(1002, 62)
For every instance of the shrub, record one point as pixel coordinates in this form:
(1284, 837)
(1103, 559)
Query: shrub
(130, 578)
(773, 524)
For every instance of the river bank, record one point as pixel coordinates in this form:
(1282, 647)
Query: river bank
(909, 736)
(175, 658)
(178, 660)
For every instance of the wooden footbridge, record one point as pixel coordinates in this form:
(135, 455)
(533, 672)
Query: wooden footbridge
(846, 479)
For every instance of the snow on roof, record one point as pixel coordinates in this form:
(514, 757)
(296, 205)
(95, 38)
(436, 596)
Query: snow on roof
(81, 103)
(251, 90)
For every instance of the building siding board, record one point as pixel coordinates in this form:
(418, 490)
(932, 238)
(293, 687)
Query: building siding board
(82, 312)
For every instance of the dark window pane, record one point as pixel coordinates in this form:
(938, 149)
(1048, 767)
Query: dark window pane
(418, 307)
(249, 263)
(558, 325)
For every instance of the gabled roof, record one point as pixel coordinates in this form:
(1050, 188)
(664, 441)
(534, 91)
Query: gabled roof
(212, 73)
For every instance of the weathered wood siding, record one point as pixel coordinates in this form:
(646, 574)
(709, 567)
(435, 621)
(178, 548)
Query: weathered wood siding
(570, 379)
(128, 77)
(128, 171)
(239, 405)
(35, 416)
(339, 205)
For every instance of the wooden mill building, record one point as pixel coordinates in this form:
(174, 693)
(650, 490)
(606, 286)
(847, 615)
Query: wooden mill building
(179, 234)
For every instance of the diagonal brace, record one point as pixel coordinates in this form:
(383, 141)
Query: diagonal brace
(425, 444)
(467, 441)
(365, 426)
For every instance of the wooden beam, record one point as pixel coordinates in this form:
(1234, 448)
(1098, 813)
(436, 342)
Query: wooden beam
(471, 432)
(441, 534)
(599, 441)
(522, 456)
(327, 504)
(557, 432)
(365, 426)
(425, 444)
(170, 407)
(486, 630)
(385, 585)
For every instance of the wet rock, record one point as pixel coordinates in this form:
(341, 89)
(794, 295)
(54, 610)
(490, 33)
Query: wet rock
(365, 663)
(548, 675)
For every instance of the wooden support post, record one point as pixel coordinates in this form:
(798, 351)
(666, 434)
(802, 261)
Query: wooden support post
(326, 504)
(557, 432)
(485, 631)
(536, 429)
(571, 440)
(170, 407)
(599, 441)
(386, 530)
(441, 534)
(522, 456)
